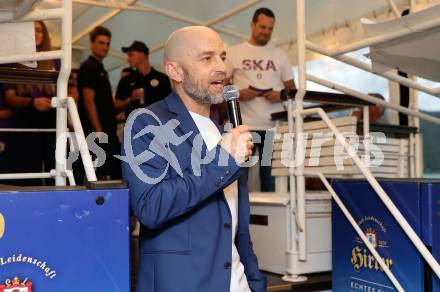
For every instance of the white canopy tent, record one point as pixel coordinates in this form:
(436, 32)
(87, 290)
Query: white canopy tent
(332, 28)
(416, 54)
(330, 23)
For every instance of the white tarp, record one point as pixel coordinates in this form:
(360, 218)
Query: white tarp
(416, 54)
(11, 9)
(16, 39)
(154, 27)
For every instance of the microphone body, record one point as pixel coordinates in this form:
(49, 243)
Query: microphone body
(234, 113)
(231, 95)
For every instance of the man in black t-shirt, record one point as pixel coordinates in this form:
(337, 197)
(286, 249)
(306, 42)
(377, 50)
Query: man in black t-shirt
(144, 85)
(96, 106)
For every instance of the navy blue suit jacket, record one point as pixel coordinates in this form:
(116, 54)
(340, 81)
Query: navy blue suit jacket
(185, 236)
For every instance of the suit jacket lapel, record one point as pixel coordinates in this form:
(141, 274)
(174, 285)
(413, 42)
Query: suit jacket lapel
(187, 125)
(186, 122)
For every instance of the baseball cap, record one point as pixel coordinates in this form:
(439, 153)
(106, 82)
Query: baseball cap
(137, 46)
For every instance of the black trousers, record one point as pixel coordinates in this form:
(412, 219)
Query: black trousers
(28, 152)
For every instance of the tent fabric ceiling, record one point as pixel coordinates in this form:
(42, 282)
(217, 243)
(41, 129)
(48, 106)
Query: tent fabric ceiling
(321, 14)
(415, 54)
(6, 5)
(153, 29)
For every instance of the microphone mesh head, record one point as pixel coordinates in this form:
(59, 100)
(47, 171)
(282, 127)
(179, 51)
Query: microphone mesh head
(231, 92)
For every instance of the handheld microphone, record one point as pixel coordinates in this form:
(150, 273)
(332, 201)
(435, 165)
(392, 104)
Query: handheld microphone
(231, 95)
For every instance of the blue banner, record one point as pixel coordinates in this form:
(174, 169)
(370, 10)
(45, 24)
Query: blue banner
(66, 241)
(354, 267)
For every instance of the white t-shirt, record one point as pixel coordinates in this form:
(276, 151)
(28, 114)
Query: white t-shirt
(263, 68)
(211, 136)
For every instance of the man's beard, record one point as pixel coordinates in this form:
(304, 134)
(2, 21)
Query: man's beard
(196, 91)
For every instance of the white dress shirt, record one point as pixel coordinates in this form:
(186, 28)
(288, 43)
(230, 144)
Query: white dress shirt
(211, 136)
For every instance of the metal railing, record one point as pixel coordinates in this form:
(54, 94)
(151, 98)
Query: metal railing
(296, 174)
(61, 102)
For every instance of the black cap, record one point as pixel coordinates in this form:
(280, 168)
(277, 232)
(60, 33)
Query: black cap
(137, 46)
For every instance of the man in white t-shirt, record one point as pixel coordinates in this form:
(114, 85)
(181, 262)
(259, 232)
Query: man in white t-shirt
(260, 70)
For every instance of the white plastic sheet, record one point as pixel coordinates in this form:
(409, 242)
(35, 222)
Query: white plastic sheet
(416, 54)
(16, 39)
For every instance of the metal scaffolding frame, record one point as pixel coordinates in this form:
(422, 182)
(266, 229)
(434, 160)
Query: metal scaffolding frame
(64, 105)
(297, 194)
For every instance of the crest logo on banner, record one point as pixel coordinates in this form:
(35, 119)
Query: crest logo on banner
(16, 285)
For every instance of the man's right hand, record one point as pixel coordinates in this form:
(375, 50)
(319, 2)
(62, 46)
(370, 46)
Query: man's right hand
(136, 94)
(238, 143)
(42, 104)
(247, 94)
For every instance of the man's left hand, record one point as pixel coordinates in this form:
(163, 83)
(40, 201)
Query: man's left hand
(273, 96)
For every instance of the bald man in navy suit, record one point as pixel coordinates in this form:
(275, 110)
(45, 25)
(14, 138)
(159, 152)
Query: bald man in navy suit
(185, 181)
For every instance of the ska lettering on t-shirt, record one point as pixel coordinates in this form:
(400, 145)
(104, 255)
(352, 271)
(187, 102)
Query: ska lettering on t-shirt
(263, 69)
(259, 65)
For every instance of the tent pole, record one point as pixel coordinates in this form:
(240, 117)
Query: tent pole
(61, 110)
(302, 87)
(415, 146)
(394, 8)
(412, 6)
(297, 194)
